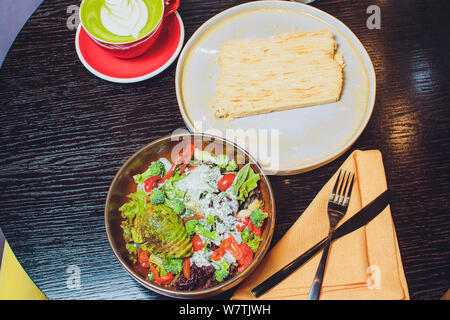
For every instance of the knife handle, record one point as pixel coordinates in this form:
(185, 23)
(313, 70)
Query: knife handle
(314, 292)
(287, 270)
(283, 273)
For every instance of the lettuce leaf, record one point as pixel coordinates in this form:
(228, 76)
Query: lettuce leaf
(250, 239)
(240, 178)
(246, 181)
(223, 271)
(135, 206)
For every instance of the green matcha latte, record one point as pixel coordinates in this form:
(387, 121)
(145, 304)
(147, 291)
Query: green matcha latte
(120, 21)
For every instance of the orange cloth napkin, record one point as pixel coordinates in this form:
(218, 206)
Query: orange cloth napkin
(365, 264)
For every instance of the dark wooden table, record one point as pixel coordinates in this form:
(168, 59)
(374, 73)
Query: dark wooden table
(65, 133)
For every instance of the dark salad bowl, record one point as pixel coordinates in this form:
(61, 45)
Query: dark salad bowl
(123, 184)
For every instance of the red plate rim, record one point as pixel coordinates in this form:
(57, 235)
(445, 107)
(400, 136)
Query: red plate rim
(149, 70)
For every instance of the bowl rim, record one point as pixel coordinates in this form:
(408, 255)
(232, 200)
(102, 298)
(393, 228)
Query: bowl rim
(224, 286)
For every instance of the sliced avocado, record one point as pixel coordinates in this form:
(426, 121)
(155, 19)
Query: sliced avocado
(186, 250)
(180, 246)
(163, 232)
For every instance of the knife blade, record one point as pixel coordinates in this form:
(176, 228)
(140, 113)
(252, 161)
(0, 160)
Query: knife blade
(361, 218)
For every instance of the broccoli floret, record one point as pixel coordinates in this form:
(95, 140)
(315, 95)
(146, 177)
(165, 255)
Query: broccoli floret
(157, 196)
(172, 265)
(176, 205)
(156, 168)
(258, 217)
(223, 272)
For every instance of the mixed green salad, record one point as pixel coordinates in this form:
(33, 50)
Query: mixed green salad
(194, 223)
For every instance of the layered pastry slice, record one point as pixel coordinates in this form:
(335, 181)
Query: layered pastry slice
(287, 71)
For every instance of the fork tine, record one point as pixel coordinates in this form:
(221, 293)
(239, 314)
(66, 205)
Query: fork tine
(349, 191)
(344, 190)
(339, 194)
(333, 193)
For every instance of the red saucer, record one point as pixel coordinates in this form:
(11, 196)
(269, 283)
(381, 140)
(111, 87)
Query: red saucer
(161, 54)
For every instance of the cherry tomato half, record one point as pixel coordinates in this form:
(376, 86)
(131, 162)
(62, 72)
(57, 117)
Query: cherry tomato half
(197, 243)
(150, 183)
(225, 182)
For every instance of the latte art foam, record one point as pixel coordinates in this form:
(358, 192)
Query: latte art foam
(124, 17)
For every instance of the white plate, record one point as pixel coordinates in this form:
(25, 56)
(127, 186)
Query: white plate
(307, 137)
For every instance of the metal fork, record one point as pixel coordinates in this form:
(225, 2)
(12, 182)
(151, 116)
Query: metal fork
(337, 207)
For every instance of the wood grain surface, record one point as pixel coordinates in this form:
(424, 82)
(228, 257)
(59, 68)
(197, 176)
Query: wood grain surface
(65, 133)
